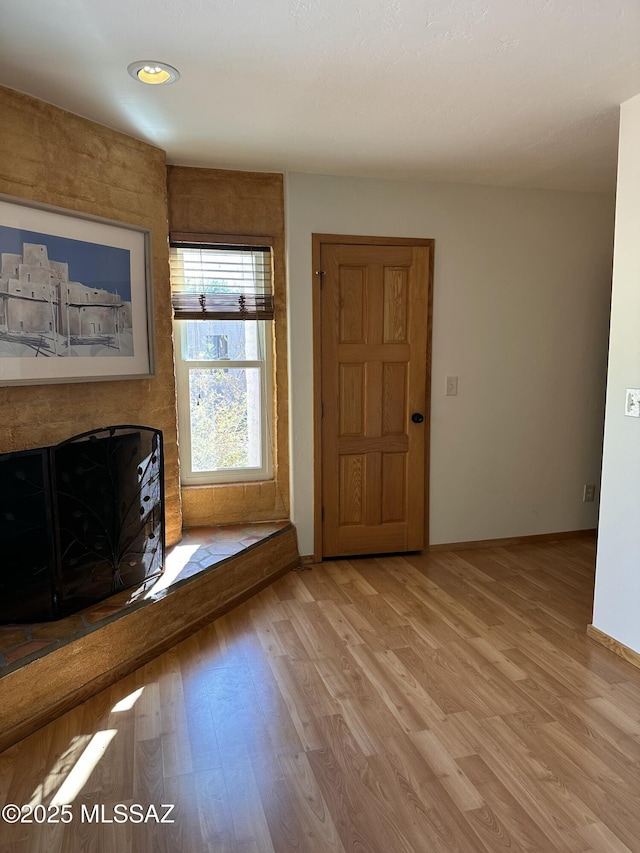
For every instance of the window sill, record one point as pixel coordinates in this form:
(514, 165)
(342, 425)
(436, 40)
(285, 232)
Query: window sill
(233, 484)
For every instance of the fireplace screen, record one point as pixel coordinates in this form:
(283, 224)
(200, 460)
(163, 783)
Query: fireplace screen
(80, 521)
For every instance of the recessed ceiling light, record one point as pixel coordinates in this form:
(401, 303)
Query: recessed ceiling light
(152, 72)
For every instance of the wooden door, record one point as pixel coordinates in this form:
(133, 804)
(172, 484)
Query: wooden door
(374, 317)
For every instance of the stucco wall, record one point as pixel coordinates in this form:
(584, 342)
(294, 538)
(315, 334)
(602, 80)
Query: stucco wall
(53, 157)
(244, 204)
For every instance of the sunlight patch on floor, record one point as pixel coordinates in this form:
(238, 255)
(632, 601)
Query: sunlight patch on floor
(128, 702)
(84, 767)
(59, 771)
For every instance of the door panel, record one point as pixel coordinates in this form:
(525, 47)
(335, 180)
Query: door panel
(352, 397)
(396, 287)
(374, 329)
(353, 316)
(352, 486)
(394, 398)
(393, 487)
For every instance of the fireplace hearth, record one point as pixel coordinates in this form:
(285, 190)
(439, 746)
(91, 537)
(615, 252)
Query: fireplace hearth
(80, 521)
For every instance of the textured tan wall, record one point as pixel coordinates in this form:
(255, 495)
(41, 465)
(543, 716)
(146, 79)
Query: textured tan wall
(216, 201)
(51, 156)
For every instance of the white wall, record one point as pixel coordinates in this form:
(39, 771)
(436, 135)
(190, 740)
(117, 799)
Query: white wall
(521, 311)
(617, 596)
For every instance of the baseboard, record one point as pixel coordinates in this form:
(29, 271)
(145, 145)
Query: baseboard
(472, 545)
(614, 646)
(535, 539)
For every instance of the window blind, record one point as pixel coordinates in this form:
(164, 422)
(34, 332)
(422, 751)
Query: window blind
(221, 282)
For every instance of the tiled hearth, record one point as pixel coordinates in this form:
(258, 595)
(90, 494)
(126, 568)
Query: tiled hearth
(201, 550)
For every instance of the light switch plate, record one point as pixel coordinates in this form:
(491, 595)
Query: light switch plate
(632, 403)
(451, 386)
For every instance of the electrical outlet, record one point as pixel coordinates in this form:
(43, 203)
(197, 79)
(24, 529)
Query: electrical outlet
(632, 403)
(588, 493)
(451, 388)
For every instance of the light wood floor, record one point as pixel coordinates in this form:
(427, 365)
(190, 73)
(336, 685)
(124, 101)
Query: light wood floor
(449, 702)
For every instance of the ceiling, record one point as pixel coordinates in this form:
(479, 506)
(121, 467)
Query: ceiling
(504, 92)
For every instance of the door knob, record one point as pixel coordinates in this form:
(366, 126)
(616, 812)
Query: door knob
(417, 418)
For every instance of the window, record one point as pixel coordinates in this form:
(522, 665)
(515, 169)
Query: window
(222, 303)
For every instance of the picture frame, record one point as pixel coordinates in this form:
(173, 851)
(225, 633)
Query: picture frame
(76, 296)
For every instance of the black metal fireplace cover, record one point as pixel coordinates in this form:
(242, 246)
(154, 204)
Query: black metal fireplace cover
(80, 521)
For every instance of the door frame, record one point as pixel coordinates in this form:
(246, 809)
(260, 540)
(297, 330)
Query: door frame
(318, 240)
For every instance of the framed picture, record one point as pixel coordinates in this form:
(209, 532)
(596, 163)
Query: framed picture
(75, 297)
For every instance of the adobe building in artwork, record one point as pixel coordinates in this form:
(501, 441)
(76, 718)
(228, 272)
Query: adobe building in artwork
(44, 313)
